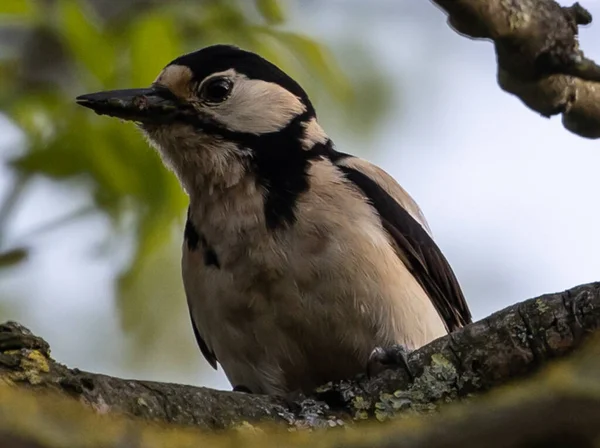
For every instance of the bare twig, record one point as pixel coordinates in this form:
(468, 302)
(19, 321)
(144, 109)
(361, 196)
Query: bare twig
(538, 54)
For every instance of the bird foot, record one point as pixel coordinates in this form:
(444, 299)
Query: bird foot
(390, 357)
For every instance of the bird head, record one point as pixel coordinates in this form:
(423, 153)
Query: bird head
(211, 113)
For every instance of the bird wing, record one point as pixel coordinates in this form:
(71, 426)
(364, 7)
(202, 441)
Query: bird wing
(405, 223)
(206, 351)
(191, 241)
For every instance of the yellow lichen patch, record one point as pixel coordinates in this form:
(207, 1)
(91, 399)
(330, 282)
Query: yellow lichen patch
(436, 386)
(361, 415)
(361, 407)
(440, 360)
(324, 388)
(541, 305)
(35, 361)
(32, 365)
(12, 352)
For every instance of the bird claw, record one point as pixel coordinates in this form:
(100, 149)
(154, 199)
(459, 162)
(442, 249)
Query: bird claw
(394, 356)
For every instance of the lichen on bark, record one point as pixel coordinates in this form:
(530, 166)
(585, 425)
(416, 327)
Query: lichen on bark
(558, 407)
(509, 344)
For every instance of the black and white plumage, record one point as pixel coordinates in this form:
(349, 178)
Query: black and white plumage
(298, 260)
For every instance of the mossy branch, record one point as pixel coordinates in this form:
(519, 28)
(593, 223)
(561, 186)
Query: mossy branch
(507, 345)
(559, 407)
(538, 55)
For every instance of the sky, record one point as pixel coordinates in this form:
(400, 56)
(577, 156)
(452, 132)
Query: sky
(511, 197)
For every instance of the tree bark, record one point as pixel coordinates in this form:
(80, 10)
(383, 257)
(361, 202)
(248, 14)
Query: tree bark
(560, 407)
(507, 345)
(538, 55)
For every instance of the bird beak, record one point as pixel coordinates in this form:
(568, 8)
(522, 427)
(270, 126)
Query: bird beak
(151, 105)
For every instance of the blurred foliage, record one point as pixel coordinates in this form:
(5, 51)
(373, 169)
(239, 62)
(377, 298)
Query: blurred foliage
(54, 50)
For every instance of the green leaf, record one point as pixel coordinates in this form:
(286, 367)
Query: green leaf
(16, 7)
(41, 162)
(36, 114)
(152, 301)
(271, 11)
(89, 45)
(13, 257)
(154, 42)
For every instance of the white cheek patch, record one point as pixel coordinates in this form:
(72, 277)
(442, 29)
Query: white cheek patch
(256, 107)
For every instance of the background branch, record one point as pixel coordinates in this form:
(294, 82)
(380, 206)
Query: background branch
(507, 345)
(538, 55)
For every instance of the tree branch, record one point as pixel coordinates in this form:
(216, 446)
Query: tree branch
(507, 345)
(538, 55)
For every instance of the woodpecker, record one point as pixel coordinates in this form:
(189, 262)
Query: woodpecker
(301, 264)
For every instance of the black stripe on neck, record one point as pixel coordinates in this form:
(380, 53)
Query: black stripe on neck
(280, 164)
(195, 240)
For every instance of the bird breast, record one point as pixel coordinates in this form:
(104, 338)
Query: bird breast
(282, 304)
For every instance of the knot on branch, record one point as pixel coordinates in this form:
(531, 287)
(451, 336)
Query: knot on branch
(25, 355)
(578, 14)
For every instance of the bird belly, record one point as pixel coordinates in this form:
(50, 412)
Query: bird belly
(280, 340)
(306, 315)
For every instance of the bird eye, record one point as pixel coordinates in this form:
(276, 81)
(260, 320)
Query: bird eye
(216, 90)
